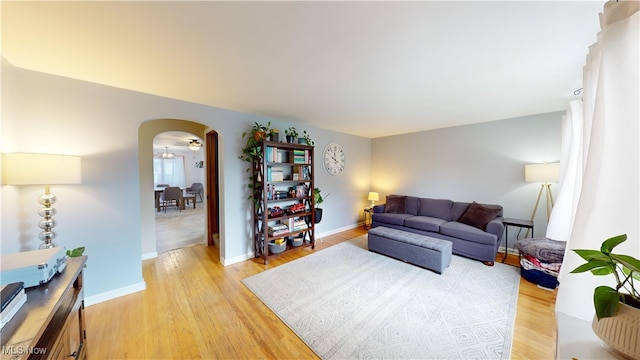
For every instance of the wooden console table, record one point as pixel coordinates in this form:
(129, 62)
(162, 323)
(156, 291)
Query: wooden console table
(51, 324)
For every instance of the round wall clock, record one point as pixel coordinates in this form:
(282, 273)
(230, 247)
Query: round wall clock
(334, 159)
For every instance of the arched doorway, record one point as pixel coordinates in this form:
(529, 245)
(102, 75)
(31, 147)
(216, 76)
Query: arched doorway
(178, 161)
(146, 133)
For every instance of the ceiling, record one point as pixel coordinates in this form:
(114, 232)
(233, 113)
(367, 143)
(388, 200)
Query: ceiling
(174, 140)
(366, 68)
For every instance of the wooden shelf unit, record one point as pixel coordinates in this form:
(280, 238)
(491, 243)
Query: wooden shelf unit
(264, 199)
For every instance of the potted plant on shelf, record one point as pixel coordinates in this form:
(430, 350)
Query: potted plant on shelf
(253, 148)
(616, 308)
(306, 139)
(291, 134)
(318, 199)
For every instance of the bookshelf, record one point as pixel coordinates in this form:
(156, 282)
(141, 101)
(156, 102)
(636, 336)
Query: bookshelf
(283, 202)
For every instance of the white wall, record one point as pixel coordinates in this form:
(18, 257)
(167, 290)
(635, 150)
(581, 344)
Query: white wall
(481, 162)
(52, 114)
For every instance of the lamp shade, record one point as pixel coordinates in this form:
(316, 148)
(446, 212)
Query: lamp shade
(41, 169)
(547, 172)
(373, 196)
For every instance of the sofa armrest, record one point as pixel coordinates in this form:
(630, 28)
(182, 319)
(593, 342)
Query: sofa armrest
(378, 209)
(496, 227)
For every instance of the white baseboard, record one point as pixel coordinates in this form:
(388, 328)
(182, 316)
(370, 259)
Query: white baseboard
(247, 256)
(96, 299)
(151, 255)
(235, 260)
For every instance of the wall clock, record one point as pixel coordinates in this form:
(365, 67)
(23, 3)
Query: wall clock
(334, 159)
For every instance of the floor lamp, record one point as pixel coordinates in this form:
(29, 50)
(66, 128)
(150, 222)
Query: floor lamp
(42, 169)
(545, 174)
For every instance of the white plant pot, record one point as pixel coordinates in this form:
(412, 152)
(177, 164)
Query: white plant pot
(621, 332)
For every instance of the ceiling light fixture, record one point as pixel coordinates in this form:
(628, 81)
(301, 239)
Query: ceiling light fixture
(195, 145)
(167, 154)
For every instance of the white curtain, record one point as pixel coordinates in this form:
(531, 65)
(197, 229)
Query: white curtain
(169, 171)
(600, 192)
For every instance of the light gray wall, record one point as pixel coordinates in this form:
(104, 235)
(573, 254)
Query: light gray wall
(52, 114)
(482, 162)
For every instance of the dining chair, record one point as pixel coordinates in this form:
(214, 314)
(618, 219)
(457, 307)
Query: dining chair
(171, 196)
(195, 189)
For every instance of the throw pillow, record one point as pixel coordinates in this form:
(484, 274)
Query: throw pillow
(478, 216)
(395, 204)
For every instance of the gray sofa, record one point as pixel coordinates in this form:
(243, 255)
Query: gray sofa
(475, 230)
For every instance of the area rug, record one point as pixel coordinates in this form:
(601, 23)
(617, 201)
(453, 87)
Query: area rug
(345, 302)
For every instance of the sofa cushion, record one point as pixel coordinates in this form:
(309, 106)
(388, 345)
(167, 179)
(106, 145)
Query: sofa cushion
(425, 223)
(387, 218)
(412, 205)
(478, 215)
(459, 207)
(437, 208)
(466, 232)
(395, 204)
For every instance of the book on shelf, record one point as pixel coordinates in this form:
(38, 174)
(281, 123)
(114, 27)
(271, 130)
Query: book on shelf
(13, 297)
(278, 229)
(10, 291)
(275, 173)
(297, 224)
(273, 154)
(300, 156)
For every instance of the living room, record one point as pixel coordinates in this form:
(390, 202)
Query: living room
(111, 212)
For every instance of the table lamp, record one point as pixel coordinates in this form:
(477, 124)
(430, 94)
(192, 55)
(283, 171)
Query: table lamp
(42, 169)
(373, 197)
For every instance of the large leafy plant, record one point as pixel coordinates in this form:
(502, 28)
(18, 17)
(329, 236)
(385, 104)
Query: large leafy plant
(317, 196)
(252, 150)
(625, 269)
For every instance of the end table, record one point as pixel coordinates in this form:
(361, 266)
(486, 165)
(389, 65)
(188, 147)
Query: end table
(522, 224)
(366, 217)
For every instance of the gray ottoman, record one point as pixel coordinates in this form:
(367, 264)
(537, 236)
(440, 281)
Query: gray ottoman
(420, 250)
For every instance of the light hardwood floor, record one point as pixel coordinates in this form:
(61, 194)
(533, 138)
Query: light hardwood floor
(194, 307)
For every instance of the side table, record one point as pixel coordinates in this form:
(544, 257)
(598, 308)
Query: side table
(522, 224)
(366, 217)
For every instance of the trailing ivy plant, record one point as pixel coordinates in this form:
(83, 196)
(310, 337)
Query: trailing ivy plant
(307, 138)
(252, 150)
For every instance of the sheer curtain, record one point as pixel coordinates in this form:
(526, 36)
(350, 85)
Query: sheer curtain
(599, 196)
(169, 171)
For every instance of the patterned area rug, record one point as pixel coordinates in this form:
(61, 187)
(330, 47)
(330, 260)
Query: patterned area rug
(346, 302)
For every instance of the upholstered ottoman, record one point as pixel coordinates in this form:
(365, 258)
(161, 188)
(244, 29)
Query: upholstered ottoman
(420, 250)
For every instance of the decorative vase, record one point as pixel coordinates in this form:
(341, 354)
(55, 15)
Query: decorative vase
(621, 332)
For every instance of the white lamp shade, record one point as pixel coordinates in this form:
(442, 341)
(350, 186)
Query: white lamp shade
(374, 196)
(545, 173)
(41, 169)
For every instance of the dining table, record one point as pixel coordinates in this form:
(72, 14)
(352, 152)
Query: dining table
(158, 191)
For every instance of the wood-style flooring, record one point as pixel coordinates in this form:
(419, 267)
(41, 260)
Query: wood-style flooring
(194, 307)
(179, 228)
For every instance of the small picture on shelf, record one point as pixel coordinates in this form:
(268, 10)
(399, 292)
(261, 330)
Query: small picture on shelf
(301, 190)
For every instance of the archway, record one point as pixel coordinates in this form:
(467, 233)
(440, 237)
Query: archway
(146, 133)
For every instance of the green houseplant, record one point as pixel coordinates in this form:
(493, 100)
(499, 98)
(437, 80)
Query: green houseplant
(318, 199)
(307, 138)
(291, 134)
(617, 317)
(624, 268)
(252, 149)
